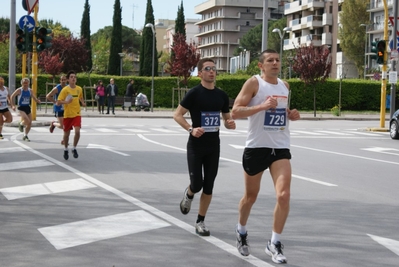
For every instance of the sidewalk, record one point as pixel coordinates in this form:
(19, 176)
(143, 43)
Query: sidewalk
(44, 117)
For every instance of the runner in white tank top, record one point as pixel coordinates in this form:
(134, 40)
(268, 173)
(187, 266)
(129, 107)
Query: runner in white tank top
(264, 100)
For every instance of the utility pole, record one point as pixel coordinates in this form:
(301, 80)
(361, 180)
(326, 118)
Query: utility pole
(11, 62)
(384, 69)
(395, 47)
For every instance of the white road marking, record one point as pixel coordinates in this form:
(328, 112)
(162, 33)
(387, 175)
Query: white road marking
(136, 130)
(105, 130)
(107, 148)
(164, 130)
(364, 133)
(390, 244)
(11, 149)
(40, 129)
(334, 133)
(305, 132)
(33, 190)
(312, 180)
(237, 146)
(89, 231)
(383, 150)
(24, 164)
(346, 155)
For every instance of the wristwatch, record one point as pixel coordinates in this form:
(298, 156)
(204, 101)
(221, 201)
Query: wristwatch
(190, 130)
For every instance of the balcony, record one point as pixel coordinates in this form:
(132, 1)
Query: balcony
(297, 6)
(326, 38)
(327, 19)
(312, 22)
(379, 5)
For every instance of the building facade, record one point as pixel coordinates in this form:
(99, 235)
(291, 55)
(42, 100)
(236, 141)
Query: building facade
(224, 22)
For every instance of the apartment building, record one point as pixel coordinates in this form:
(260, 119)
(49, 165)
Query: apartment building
(375, 30)
(191, 32)
(224, 22)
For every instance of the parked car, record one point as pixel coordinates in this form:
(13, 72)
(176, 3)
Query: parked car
(394, 125)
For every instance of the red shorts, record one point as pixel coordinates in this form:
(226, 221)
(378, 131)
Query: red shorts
(72, 122)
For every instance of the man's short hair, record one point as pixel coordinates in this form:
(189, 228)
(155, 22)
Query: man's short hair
(267, 51)
(69, 73)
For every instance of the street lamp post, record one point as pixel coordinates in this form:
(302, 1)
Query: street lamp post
(365, 49)
(286, 29)
(150, 25)
(121, 67)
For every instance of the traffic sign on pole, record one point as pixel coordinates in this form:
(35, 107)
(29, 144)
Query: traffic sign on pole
(28, 22)
(30, 4)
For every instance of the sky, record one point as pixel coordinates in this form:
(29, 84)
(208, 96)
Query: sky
(69, 12)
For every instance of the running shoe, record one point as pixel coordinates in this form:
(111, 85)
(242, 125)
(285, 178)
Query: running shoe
(20, 127)
(52, 126)
(1, 136)
(25, 138)
(276, 252)
(201, 229)
(185, 204)
(66, 155)
(75, 153)
(242, 243)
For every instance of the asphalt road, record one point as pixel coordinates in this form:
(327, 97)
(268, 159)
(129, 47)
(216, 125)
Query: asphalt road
(118, 203)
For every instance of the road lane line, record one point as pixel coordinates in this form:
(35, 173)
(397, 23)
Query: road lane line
(189, 228)
(11, 149)
(88, 231)
(17, 192)
(17, 165)
(346, 155)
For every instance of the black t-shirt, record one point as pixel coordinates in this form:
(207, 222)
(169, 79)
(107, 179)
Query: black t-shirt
(200, 99)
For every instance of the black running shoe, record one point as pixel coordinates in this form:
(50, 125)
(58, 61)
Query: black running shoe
(66, 155)
(75, 153)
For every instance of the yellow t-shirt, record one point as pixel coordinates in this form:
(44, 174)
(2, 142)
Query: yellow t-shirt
(72, 109)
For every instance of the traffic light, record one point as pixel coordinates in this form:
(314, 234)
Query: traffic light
(21, 41)
(381, 46)
(43, 41)
(374, 50)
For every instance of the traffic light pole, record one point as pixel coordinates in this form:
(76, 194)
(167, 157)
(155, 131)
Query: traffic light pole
(395, 43)
(34, 65)
(384, 69)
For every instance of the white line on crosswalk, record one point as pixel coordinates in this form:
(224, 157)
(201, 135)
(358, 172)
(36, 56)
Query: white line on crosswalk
(363, 133)
(11, 149)
(89, 231)
(105, 130)
(136, 130)
(163, 130)
(305, 132)
(24, 164)
(334, 133)
(33, 190)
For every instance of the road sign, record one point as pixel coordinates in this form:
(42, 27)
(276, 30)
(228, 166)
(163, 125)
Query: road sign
(28, 22)
(391, 44)
(31, 5)
(393, 24)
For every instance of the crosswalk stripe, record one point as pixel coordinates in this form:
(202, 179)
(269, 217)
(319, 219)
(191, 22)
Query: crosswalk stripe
(102, 228)
(24, 164)
(305, 132)
(105, 130)
(11, 149)
(334, 133)
(17, 192)
(363, 133)
(136, 130)
(163, 130)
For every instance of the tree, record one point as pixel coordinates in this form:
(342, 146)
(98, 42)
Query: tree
(180, 23)
(85, 33)
(71, 51)
(351, 35)
(146, 52)
(4, 55)
(56, 27)
(314, 66)
(52, 64)
(5, 25)
(116, 41)
(185, 58)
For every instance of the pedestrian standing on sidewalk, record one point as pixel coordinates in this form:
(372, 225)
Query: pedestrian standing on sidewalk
(71, 97)
(100, 92)
(5, 100)
(58, 110)
(205, 102)
(24, 94)
(264, 100)
(129, 94)
(112, 92)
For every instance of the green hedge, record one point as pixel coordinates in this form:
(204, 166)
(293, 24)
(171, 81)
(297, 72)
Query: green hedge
(356, 94)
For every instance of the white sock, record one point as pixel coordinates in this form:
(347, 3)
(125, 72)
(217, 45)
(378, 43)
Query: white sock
(242, 229)
(275, 237)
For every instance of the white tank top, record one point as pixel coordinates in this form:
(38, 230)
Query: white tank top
(3, 98)
(269, 128)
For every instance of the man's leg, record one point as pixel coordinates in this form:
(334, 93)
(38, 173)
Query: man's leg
(252, 186)
(76, 137)
(281, 174)
(28, 123)
(205, 201)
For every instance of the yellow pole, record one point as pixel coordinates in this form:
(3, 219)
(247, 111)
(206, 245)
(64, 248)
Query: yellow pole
(34, 64)
(23, 65)
(384, 68)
